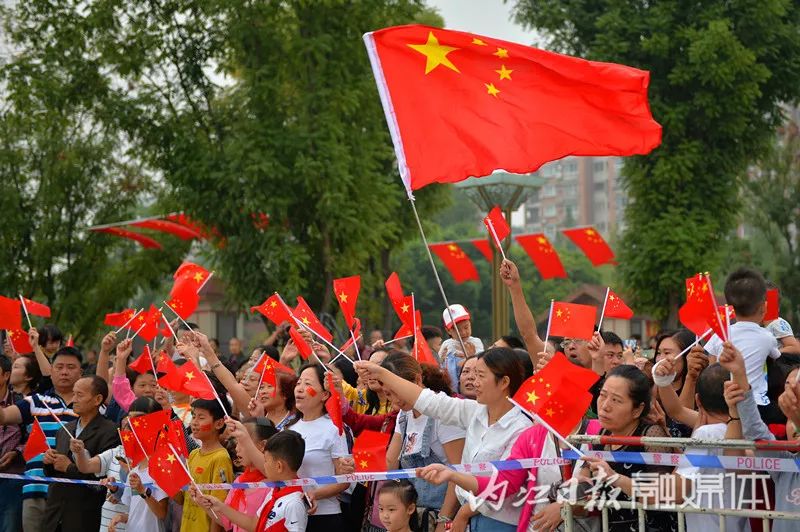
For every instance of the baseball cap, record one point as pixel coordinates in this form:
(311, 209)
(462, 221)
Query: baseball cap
(459, 314)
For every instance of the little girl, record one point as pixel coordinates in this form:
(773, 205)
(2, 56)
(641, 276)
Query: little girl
(397, 506)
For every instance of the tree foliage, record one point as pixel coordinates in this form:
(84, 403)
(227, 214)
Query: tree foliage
(718, 71)
(242, 107)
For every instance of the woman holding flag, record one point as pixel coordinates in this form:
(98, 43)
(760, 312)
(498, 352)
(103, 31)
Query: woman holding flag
(491, 422)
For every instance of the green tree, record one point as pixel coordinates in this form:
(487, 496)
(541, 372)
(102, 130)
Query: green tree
(248, 107)
(718, 71)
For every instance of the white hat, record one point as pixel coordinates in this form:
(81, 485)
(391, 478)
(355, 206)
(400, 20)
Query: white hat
(459, 314)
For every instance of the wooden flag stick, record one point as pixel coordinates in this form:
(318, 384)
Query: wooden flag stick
(398, 339)
(496, 240)
(178, 316)
(210, 275)
(603, 312)
(63, 426)
(549, 321)
(129, 321)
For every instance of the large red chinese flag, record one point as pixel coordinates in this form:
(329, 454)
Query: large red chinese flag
(616, 307)
(456, 261)
(773, 306)
(118, 319)
(189, 380)
(346, 290)
(148, 427)
(701, 312)
(10, 313)
(461, 105)
(543, 255)
(592, 244)
(369, 450)
(572, 320)
(37, 442)
(36, 309)
(145, 241)
(172, 228)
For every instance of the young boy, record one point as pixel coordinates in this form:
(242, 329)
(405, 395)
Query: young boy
(746, 290)
(210, 464)
(285, 508)
(451, 353)
(740, 400)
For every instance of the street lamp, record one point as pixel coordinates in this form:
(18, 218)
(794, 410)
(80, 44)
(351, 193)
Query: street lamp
(508, 191)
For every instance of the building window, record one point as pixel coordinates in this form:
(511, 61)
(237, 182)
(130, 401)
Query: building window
(550, 211)
(549, 191)
(599, 167)
(571, 167)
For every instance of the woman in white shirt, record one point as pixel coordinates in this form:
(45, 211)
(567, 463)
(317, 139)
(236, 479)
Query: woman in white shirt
(324, 444)
(491, 422)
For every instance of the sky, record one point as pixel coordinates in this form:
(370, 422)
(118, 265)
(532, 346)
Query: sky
(486, 17)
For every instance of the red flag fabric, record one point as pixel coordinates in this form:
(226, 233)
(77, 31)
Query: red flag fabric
(133, 452)
(456, 261)
(304, 313)
(70, 341)
(482, 245)
(268, 362)
(118, 319)
(36, 309)
(369, 450)
(394, 289)
(164, 363)
(616, 307)
(461, 105)
(422, 351)
(191, 271)
(773, 305)
(558, 393)
(497, 221)
(144, 363)
(543, 255)
(173, 433)
(592, 244)
(274, 309)
(151, 320)
(166, 471)
(303, 348)
(10, 313)
(346, 290)
(145, 241)
(572, 320)
(36, 444)
(183, 298)
(188, 379)
(700, 312)
(172, 228)
(356, 332)
(407, 329)
(149, 426)
(334, 403)
(20, 341)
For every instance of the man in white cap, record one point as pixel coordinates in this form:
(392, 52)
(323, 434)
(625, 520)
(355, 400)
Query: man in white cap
(457, 322)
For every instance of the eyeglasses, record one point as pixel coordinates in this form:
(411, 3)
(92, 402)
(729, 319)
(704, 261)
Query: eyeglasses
(566, 343)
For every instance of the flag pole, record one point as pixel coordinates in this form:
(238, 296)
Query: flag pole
(129, 321)
(398, 339)
(139, 330)
(25, 308)
(414, 326)
(355, 343)
(603, 312)
(688, 348)
(136, 437)
(435, 273)
(326, 342)
(546, 425)
(169, 326)
(211, 274)
(714, 302)
(186, 469)
(496, 240)
(63, 426)
(549, 320)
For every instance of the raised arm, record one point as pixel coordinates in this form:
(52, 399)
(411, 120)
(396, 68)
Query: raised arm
(523, 316)
(669, 399)
(121, 387)
(41, 358)
(102, 358)
(239, 395)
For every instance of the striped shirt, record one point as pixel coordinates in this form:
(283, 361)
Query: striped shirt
(110, 467)
(32, 407)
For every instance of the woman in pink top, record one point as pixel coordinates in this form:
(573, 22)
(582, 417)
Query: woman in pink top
(129, 385)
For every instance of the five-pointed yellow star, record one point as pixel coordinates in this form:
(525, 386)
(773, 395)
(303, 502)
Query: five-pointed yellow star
(170, 458)
(306, 321)
(343, 297)
(532, 398)
(504, 72)
(502, 53)
(478, 42)
(549, 412)
(435, 53)
(404, 308)
(590, 232)
(198, 277)
(491, 89)
(189, 375)
(273, 304)
(559, 313)
(363, 463)
(542, 240)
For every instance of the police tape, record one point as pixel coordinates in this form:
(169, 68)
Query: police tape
(627, 459)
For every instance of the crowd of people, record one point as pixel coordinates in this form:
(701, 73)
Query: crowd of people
(434, 415)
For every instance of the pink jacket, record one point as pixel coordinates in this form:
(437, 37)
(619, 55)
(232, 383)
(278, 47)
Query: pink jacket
(529, 444)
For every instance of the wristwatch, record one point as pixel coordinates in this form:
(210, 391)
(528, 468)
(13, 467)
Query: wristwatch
(147, 493)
